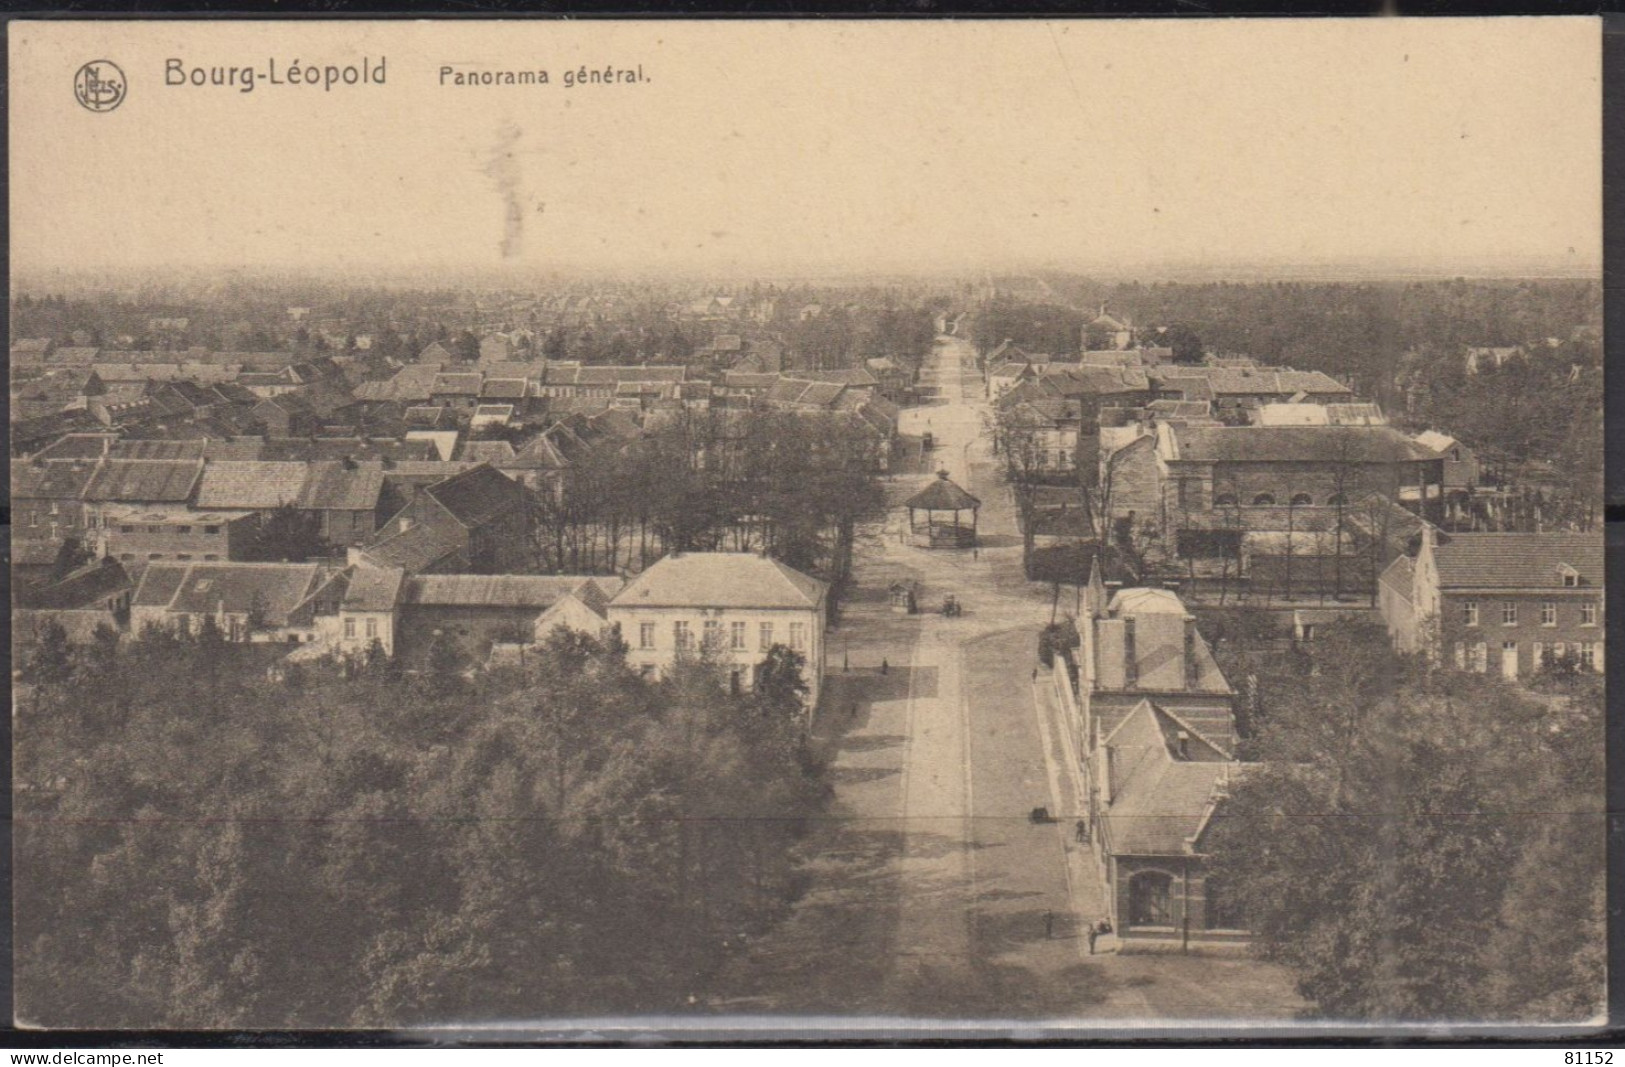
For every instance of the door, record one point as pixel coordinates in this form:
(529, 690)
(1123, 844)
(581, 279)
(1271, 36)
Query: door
(1509, 659)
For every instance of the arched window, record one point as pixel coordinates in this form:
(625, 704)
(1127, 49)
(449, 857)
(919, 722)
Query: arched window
(1225, 500)
(1335, 499)
(1150, 895)
(1263, 499)
(1299, 499)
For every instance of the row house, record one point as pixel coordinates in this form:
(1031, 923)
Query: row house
(262, 602)
(1505, 602)
(1152, 715)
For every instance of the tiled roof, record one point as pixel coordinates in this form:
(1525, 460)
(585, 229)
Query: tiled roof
(942, 495)
(333, 485)
(373, 588)
(56, 481)
(489, 590)
(456, 384)
(504, 389)
(1295, 444)
(721, 580)
(476, 496)
(86, 585)
(73, 446)
(144, 480)
(1160, 802)
(254, 485)
(276, 589)
(419, 546)
(540, 454)
(1517, 560)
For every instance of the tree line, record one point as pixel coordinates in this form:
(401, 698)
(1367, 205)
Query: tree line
(203, 843)
(795, 485)
(1417, 844)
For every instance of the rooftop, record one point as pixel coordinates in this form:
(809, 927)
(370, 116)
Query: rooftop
(1518, 560)
(721, 580)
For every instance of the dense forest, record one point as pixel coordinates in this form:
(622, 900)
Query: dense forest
(209, 847)
(1418, 844)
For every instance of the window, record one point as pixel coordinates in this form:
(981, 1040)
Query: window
(713, 633)
(1225, 500)
(1481, 657)
(211, 529)
(184, 529)
(766, 632)
(1509, 613)
(1187, 497)
(1548, 613)
(1149, 898)
(736, 636)
(1263, 500)
(349, 628)
(1571, 577)
(1336, 500)
(1588, 655)
(372, 628)
(798, 636)
(1588, 614)
(1509, 658)
(1537, 655)
(126, 529)
(646, 635)
(1469, 613)
(127, 556)
(183, 555)
(1301, 498)
(682, 636)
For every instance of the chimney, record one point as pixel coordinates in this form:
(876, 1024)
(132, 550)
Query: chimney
(407, 523)
(1181, 740)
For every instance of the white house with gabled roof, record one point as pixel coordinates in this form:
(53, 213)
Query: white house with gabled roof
(735, 605)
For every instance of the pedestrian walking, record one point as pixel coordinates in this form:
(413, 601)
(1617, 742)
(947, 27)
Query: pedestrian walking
(1080, 830)
(1094, 935)
(1049, 925)
(885, 665)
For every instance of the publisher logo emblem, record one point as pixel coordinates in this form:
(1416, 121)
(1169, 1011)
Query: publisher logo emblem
(99, 85)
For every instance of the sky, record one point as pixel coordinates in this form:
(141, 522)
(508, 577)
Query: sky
(1429, 145)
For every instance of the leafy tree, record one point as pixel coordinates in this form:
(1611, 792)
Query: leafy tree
(71, 554)
(287, 535)
(1383, 849)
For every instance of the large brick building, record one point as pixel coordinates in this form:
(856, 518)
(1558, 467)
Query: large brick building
(1505, 602)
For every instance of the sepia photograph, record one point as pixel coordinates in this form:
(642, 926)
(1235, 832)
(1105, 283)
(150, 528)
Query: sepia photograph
(902, 529)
